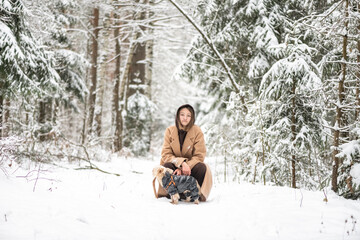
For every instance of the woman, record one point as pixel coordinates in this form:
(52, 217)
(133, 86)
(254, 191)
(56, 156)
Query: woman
(184, 151)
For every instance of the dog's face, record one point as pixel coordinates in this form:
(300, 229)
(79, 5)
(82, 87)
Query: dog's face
(159, 172)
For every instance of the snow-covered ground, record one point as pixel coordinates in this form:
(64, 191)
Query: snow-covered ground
(88, 204)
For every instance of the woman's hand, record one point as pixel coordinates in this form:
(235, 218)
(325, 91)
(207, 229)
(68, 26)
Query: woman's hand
(185, 169)
(177, 172)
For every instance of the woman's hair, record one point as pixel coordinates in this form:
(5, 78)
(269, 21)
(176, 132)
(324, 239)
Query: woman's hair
(177, 119)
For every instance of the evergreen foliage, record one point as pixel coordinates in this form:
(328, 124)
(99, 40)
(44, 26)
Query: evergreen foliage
(296, 64)
(340, 63)
(349, 184)
(242, 31)
(70, 65)
(288, 57)
(25, 67)
(291, 92)
(138, 119)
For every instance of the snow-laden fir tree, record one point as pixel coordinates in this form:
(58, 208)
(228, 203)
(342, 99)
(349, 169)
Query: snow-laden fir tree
(59, 41)
(349, 177)
(292, 118)
(243, 32)
(138, 119)
(243, 142)
(339, 28)
(69, 64)
(24, 65)
(26, 68)
(348, 183)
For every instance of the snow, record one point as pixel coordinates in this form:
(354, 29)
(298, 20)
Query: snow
(88, 204)
(350, 149)
(8, 43)
(7, 5)
(355, 173)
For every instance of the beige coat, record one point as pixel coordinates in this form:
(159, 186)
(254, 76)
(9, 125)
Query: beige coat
(193, 152)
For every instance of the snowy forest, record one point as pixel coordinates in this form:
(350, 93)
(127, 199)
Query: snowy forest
(275, 86)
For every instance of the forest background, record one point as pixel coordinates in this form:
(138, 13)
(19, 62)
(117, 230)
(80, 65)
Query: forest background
(275, 84)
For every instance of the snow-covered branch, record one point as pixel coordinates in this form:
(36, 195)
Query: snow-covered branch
(210, 44)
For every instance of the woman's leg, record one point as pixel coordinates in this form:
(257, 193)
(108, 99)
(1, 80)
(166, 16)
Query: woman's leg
(198, 172)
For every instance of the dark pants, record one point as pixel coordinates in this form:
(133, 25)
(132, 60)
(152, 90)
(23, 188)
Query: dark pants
(198, 171)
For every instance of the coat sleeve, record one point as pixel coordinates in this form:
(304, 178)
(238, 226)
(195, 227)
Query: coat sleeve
(199, 150)
(167, 153)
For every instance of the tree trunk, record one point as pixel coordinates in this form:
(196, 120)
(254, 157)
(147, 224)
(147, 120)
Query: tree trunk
(122, 92)
(94, 56)
(256, 162)
(86, 106)
(149, 66)
(83, 132)
(124, 80)
(225, 166)
(55, 110)
(149, 54)
(1, 114)
(44, 119)
(116, 92)
(72, 119)
(149, 62)
(293, 132)
(137, 85)
(341, 96)
(100, 96)
(262, 142)
(42, 111)
(99, 106)
(104, 75)
(137, 73)
(357, 110)
(6, 126)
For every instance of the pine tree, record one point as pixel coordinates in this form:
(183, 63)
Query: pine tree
(244, 32)
(340, 69)
(24, 65)
(26, 69)
(60, 16)
(291, 89)
(137, 132)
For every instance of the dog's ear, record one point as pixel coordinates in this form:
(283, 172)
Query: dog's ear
(158, 170)
(161, 170)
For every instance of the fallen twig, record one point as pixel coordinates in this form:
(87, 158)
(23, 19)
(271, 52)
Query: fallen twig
(93, 167)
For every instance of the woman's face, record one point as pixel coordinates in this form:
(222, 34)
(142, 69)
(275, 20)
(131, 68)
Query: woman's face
(185, 116)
